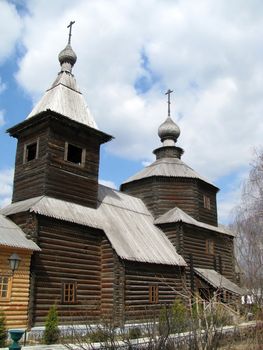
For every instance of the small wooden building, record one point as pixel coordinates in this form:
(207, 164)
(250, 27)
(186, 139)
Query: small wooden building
(106, 253)
(15, 285)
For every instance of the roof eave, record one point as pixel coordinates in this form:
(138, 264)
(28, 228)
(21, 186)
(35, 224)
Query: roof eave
(42, 116)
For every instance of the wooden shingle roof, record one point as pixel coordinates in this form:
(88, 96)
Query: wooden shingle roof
(125, 220)
(12, 236)
(178, 215)
(167, 167)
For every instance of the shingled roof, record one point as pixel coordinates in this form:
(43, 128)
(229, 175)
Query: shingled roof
(12, 236)
(178, 215)
(217, 280)
(168, 167)
(125, 220)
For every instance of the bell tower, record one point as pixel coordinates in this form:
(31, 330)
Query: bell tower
(58, 146)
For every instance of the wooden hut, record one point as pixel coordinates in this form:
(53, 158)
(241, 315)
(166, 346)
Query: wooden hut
(15, 285)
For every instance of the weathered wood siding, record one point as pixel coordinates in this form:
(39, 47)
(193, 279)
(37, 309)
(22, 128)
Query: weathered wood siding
(70, 253)
(50, 174)
(191, 241)
(195, 244)
(208, 216)
(80, 182)
(161, 194)
(112, 284)
(16, 307)
(138, 278)
(29, 178)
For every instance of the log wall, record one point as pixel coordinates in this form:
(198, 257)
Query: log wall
(70, 253)
(50, 173)
(139, 277)
(161, 194)
(190, 242)
(15, 308)
(195, 244)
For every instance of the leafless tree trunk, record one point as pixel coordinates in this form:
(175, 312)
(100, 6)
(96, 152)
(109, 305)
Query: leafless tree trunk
(249, 226)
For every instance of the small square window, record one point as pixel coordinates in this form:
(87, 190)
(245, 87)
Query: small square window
(210, 247)
(69, 292)
(31, 151)
(153, 294)
(74, 154)
(207, 203)
(5, 287)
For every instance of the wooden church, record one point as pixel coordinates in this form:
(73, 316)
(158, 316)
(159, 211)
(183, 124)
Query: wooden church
(97, 252)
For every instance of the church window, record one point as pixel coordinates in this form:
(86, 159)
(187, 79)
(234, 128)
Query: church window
(154, 294)
(30, 151)
(207, 203)
(210, 246)
(74, 154)
(5, 287)
(69, 293)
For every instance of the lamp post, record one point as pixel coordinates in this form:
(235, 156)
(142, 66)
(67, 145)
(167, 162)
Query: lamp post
(16, 334)
(14, 261)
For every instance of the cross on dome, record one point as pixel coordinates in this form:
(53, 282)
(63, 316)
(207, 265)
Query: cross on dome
(169, 131)
(169, 102)
(67, 56)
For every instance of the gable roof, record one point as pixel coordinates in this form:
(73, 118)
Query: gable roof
(168, 167)
(178, 215)
(217, 280)
(64, 97)
(125, 220)
(11, 235)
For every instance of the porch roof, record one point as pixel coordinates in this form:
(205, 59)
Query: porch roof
(218, 281)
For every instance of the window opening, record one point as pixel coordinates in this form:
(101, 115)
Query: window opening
(74, 154)
(5, 287)
(31, 151)
(210, 246)
(69, 293)
(153, 294)
(207, 203)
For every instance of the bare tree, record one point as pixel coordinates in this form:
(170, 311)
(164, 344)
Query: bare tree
(249, 225)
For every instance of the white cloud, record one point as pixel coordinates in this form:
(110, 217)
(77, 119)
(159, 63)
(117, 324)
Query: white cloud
(2, 120)
(2, 86)
(6, 187)
(210, 53)
(10, 27)
(108, 183)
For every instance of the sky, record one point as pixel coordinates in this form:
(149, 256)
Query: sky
(129, 53)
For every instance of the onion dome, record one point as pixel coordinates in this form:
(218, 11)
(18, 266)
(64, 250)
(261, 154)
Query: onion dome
(67, 58)
(168, 132)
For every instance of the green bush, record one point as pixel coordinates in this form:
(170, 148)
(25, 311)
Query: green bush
(135, 333)
(3, 330)
(51, 333)
(173, 319)
(99, 336)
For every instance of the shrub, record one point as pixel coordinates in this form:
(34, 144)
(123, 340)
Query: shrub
(99, 336)
(135, 333)
(180, 317)
(3, 331)
(51, 333)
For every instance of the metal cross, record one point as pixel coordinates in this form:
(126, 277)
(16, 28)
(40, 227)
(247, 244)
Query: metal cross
(70, 29)
(169, 102)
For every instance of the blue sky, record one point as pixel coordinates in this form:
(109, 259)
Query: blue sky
(129, 53)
